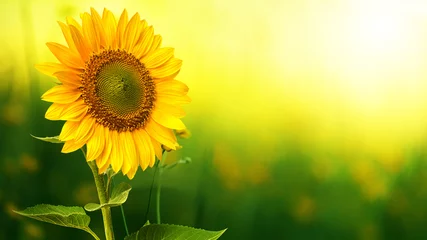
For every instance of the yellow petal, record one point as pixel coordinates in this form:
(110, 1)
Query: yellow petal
(73, 22)
(69, 131)
(103, 168)
(157, 149)
(132, 32)
(84, 128)
(167, 120)
(61, 94)
(134, 168)
(99, 27)
(116, 156)
(65, 55)
(172, 98)
(121, 26)
(144, 42)
(71, 146)
(69, 78)
(144, 148)
(168, 78)
(170, 67)
(110, 25)
(174, 110)
(54, 111)
(86, 138)
(158, 57)
(143, 24)
(131, 173)
(95, 145)
(161, 134)
(172, 86)
(90, 33)
(67, 35)
(50, 68)
(157, 41)
(128, 144)
(103, 161)
(74, 111)
(81, 43)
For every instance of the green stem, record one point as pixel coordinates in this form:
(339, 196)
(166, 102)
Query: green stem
(92, 233)
(102, 195)
(124, 220)
(159, 187)
(160, 167)
(151, 190)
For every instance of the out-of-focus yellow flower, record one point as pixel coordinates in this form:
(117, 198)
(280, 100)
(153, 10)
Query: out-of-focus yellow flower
(117, 94)
(9, 208)
(34, 231)
(29, 163)
(371, 179)
(304, 209)
(85, 193)
(226, 162)
(13, 113)
(369, 231)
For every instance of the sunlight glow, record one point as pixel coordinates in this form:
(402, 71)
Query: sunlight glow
(333, 72)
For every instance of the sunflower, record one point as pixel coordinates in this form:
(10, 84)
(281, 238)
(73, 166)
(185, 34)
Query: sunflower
(117, 91)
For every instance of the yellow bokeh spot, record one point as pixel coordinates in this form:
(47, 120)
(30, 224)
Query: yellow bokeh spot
(373, 183)
(369, 232)
(304, 209)
(33, 231)
(29, 163)
(230, 170)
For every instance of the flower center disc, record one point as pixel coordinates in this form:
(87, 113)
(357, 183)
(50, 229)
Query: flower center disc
(118, 89)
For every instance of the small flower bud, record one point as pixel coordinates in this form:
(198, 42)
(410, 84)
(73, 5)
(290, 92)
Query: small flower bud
(185, 133)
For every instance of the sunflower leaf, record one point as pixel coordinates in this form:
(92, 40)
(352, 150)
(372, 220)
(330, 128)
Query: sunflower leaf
(119, 195)
(54, 139)
(73, 217)
(173, 232)
(91, 207)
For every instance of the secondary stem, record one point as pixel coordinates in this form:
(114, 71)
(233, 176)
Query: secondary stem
(122, 210)
(149, 194)
(102, 195)
(160, 168)
(159, 187)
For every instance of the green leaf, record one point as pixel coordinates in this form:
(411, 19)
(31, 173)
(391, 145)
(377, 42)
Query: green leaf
(73, 217)
(110, 173)
(54, 139)
(133, 236)
(173, 232)
(120, 193)
(119, 196)
(90, 207)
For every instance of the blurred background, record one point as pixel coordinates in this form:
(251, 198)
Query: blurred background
(308, 120)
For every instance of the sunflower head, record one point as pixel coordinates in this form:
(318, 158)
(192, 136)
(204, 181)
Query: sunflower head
(117, 91)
